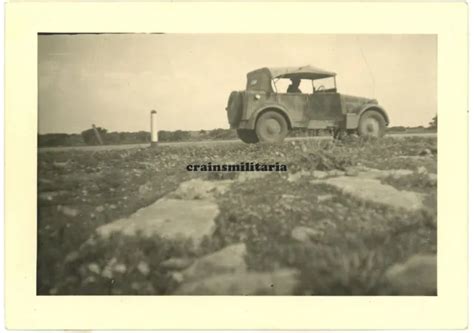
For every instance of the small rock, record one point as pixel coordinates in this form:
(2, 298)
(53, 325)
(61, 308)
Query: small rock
(426, 152)
(335, 173)
(319, 174)
(416, 276)
(113, 207)
(100, 209)
(398, 173)
(143, 189)
(244, 176)
(324, 197)
(107, 273)
(73, 256)
(421, 170)
(289, 197)
(327, 223)
(94, 268)
(112, 261)
(120, 268)
(143, 268)
(60, 164)
(177, 276)
(433, 179)
(47, 195)
(293, 177)
(68, 211)
(304, 234)
(352, 172)
(108, 269)
(90, 279)
(176, 263)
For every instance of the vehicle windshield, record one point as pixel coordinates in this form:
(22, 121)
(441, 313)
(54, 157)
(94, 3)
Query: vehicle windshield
(327, 84)
(305, 86)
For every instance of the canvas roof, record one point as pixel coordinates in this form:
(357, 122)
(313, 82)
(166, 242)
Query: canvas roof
(303, 72)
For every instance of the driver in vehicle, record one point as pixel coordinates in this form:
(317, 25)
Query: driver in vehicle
(294, 86)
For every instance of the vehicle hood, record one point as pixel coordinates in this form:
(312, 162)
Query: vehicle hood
(353, 104)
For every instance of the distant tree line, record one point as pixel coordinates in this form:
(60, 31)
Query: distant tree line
(434, 122)
(89, 138)
(60, 139)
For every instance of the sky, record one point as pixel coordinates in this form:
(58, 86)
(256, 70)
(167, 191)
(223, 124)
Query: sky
(114, 80)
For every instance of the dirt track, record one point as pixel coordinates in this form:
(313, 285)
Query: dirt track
(216, 142)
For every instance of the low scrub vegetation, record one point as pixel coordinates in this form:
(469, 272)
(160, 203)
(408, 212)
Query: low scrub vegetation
(79, 191)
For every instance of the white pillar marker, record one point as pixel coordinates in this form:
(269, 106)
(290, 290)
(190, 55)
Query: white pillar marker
(153, 128)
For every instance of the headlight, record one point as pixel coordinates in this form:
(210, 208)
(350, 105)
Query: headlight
(257, 97)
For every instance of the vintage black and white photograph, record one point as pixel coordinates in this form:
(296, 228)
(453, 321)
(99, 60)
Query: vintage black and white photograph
(237, 164)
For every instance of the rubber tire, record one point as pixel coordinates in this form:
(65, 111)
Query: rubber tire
(234, 108)
(371, 116)
(263, 125)
(247, 136)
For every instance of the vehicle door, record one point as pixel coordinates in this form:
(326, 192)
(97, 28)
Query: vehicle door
(325, 106)
(296, 105)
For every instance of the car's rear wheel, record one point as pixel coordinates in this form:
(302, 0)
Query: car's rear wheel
(271, 127)
(372, 124)
(247, 136)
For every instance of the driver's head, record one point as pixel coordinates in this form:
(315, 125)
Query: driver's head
(295, 82)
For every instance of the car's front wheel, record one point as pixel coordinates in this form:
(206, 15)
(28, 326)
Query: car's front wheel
(271, 127)
(372, 124)
(247, 136)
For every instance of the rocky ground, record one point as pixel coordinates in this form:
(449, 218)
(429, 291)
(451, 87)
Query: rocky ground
(348, 218)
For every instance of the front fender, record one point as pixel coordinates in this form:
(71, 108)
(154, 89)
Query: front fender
(375, 107)
(352, 119)
(276, 107)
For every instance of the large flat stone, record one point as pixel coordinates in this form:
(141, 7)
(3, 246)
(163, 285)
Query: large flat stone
(416, 276)
(375, 173)
(372, 190)
(199, 189)
(364, 172)
(168, 218)
(304, 234)
(230, 259)
(249, 176)
(281, 282)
